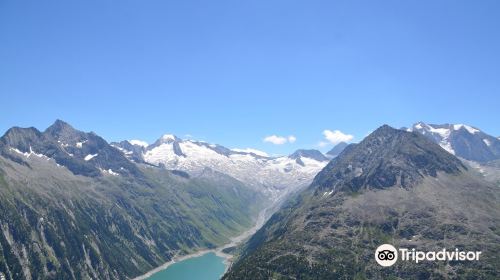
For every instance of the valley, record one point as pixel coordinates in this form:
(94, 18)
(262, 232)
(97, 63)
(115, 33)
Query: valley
(72, 204)
(227, 258)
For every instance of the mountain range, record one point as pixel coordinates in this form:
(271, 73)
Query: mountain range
(273, 176)
(72, 204)
(393, 187)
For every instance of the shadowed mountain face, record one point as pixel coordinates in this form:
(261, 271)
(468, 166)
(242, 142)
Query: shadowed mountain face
(385, 158)
(393, 187)
(335, 151)
(82, 153)
(74, 207)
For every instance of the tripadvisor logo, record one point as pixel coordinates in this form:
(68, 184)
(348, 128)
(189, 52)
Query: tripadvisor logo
(387, 255)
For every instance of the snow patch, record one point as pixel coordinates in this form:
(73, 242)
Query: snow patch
(89, 157)
(26, 154)
(328, 193)
(19, 152)
(112, 173)
(487, 142)
(109, 171)
(444, 133)
(470, 129)
(80, 144)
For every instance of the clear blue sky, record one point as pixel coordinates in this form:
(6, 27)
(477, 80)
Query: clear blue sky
(234, 72)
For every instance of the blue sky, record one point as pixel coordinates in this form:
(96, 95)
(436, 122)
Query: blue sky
(235, 72)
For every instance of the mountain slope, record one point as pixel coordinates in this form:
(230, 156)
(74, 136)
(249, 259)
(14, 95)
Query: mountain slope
(462, 140)
(388, 157)
(335, 151)
(393, 187)
(64, 215)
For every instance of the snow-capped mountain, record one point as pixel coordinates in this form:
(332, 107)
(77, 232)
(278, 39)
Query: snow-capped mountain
(461, 140)
(273, 175)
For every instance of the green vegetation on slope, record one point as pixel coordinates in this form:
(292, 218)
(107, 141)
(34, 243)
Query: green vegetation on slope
(56, 225)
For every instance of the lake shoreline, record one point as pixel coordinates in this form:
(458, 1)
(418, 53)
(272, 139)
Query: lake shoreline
(217, 251)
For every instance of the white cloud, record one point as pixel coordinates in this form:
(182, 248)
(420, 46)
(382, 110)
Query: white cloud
(277, 140)
(337, 136)
(280, 140)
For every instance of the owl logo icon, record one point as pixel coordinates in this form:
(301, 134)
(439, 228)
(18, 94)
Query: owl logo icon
(386, 255)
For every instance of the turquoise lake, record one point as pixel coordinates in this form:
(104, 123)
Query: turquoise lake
(205, 267)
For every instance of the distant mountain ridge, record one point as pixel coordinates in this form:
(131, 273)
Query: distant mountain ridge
(335, 151)
(312, 154)
(275, 176)
(89, 155)
(462, 140)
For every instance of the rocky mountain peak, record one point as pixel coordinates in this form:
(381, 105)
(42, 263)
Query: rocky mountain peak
(312, 154)
(335, 151)
(60, 126)
(386, 158)
(20, 138)
(64, 132)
